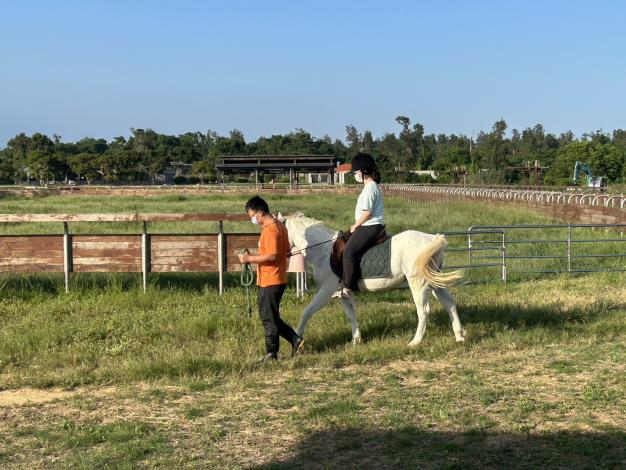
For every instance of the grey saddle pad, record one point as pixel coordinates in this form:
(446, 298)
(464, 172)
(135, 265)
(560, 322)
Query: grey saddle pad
(377, 261)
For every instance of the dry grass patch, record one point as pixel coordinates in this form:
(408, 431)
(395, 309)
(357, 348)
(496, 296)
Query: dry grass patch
(270, 416)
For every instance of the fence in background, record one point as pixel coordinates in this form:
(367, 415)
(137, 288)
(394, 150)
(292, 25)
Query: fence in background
(568, 248)
(143, 252)
(579, 207)
(578, 196)
(98, 190)
(541, 249)
(595, 199)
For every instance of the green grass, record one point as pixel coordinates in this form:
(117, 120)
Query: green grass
(336, 210)
(542, 371)
(118, 378)
(120, 444)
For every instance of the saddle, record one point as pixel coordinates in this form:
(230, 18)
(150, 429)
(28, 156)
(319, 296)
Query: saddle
(336, 256)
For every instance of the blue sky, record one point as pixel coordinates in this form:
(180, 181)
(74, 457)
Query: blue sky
(98, 68)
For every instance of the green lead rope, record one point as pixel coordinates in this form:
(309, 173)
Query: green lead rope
(247, 278)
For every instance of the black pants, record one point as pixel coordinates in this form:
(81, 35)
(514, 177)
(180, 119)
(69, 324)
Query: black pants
(268, 299)
(359, 242)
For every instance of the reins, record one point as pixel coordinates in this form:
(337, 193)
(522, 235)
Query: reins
(297, 252)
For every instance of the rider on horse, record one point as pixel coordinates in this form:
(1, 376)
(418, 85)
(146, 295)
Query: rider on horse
(369, 216)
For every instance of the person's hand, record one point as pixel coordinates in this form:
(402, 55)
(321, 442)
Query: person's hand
(353, 228)
(243, 259)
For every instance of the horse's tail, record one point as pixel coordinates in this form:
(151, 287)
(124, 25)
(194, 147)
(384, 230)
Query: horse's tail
(429, 270)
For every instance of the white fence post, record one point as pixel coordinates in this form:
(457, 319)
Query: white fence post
(145, 255)
(221, 255)
(67, 256)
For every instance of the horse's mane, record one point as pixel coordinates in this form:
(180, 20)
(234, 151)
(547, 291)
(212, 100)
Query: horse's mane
(300, 222)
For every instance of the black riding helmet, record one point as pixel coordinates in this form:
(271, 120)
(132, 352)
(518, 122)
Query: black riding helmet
(363, 162)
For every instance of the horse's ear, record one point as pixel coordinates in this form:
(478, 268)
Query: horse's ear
(281, 218)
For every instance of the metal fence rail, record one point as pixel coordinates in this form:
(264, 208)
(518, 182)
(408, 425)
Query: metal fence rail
(563, 247)
(577, 197)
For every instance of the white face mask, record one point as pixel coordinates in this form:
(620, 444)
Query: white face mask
(358, 176)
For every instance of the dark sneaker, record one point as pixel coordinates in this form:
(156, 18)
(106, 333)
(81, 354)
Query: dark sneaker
(269, 357)
(298, 346)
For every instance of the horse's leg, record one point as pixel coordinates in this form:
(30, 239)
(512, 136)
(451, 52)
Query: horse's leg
(349, 308)
(421, 291)
(320, 300)
(445, 297)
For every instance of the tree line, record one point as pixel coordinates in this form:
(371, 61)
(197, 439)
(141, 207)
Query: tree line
(493, 157)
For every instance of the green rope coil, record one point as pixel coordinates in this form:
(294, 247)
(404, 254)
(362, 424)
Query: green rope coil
(247, 278)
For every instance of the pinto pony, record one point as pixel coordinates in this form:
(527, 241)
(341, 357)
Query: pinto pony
(416, 258)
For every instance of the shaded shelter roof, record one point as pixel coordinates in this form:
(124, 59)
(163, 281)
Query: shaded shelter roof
(276, 163)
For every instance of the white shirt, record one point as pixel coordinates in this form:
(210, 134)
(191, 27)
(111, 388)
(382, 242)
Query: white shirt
(371, 200)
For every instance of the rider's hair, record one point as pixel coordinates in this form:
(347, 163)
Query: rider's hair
(256, 204)
(374, 174)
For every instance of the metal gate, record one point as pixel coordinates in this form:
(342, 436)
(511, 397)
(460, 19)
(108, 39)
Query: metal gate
(523, 250)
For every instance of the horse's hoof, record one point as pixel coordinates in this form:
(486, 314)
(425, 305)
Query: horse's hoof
(356, 340)
(460, 336)
(414, 344)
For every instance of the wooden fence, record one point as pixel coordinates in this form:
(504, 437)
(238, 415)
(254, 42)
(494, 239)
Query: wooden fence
(96, 190)
(130, 253)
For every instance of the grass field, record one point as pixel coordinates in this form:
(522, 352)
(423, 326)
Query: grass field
(335, 210)
(107, 376)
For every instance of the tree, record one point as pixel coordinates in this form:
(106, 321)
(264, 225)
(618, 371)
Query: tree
(41, 143)
(40, 165)
(386, 157)
(451, 152)
(91, 146)
(367, 144)
(339, 149)
(412, 155)
(187, 148)
(562, 169)
(235, 144)
(18, 146)
(597, 137)
(85, 165)
(143, 145)
(353, 138)
(35, 156)
(156, 166)
(204, 170)
(604, 159)
(147, 153)
(493, 150)
(607, 160)
(619, 138)
(7, 170)
(566, 138)
(119, 162)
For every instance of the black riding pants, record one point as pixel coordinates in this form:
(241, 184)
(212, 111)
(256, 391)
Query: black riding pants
(268, 299)
(359, 242)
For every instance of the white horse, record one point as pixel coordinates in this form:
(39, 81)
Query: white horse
(415, 257)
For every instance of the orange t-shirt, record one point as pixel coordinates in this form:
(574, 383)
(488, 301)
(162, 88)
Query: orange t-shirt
(274, 240)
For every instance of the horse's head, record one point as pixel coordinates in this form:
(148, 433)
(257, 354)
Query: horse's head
(304, 231)
(295, 228)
